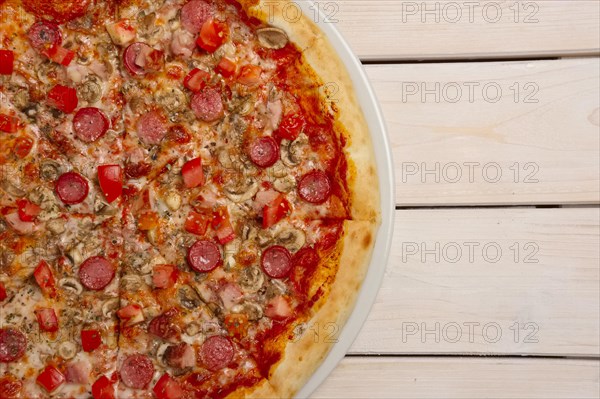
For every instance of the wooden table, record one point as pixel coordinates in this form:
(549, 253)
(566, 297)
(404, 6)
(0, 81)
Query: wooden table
(492, 287)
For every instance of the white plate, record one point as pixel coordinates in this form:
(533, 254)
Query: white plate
(383, 241)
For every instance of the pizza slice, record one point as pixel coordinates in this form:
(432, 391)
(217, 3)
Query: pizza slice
(59, 324)
(65, 82)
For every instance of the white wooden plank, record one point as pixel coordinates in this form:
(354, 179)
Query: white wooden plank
(541, 296)
(443, 29)
(462, 378)
(457, 142)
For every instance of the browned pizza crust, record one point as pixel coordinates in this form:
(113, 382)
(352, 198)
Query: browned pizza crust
(305, 353)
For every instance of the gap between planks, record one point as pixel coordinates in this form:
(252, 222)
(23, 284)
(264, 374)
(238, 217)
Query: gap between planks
(535, 144)
(456, 377)
(445, 29)
(530, 287)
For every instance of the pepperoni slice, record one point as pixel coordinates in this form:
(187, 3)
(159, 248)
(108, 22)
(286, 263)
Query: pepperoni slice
(204, 256)
(132, 55)
(194, 14)
(59, 11)
(216, 352)
(10, 387)
(12, 345)
(96, 273)
(264, 151)
(207, 104)
(90, 124)
(137, 371)
(72, 188)
(276, 261)
(152, 127)
(314, 187)
(44, 34)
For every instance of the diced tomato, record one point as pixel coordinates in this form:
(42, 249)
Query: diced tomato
(90, 340)
(226, 67)
(212, 35)
(291, 126)
(192, 173)
(121, 32)
(111, 181)
(164, 276)
(64, 98)
(237, 325)
(275, 211)
(50, 379)
(131, 314)
(47, 319)
(148, 221)
(196, 223)
(167, 388)
(250, 75)
(7, 62)
(59, 54)
(3, 294)
(23, 146)
(196, 79)
(103, 389)
(222, 225)
(10, 387)
(28, 210)
(8, 124)
(45, 279)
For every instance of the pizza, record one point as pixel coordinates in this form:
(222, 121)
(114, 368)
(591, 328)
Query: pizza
(188, 198)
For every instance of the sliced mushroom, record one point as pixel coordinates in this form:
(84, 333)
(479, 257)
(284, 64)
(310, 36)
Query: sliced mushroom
(131, 282)
(189, 298)
(292, 239)
(152, 237)
(278, 170)
(251, 309)
(275, 288)
(3, 228)
(249, 233)
(49, 170)
(143, 264)
(273, 38)
(173, 100)
(193, 329)
(7, 257)
(67, 350)
(103, 208)
(109, 307)
(225, 159)
(75, 254)
(21, 99)
(242, 191)
(11, 187)
(160, 353)
(90, 90)
(173, 201)
(56, 226)
(265, 237)
(251, 279)
(284, 184)
(71, 285)
(290, 151)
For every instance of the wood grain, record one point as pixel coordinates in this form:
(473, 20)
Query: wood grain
(537, 143)
(541, 296)
(415, 377)
(404, 30)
